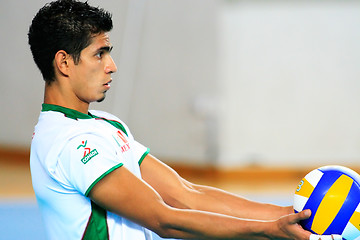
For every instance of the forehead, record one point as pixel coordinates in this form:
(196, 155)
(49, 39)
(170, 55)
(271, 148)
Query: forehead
(99, 41)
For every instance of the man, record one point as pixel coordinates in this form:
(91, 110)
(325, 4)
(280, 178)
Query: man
(91, 178)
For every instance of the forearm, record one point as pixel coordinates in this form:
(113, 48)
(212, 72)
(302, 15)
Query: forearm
(215, 200)
(179, 193)
(192, 224)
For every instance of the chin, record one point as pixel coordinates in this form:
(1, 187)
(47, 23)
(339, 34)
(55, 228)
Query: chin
(101, 99)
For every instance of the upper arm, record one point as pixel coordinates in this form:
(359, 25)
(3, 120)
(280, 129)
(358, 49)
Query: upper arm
(125, 194)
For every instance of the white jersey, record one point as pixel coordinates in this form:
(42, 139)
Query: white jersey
(70, 153)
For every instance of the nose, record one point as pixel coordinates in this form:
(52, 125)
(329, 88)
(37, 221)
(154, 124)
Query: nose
(111, 66)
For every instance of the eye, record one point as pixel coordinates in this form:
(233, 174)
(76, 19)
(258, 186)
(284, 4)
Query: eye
(99, 54)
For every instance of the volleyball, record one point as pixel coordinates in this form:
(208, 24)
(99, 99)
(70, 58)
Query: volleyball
(332, 193)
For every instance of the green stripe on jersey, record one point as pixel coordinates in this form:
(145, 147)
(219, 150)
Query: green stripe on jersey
(116, 124)
(73, 114)
(70, 113)
(101, 177)
(143, 156)
(97, 228)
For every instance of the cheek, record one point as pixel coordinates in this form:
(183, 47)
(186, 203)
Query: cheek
(94, 70)
(89, 74)
(89, 77)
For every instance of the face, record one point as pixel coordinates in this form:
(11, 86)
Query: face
(91, 77)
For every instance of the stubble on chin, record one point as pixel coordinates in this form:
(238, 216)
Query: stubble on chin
(101, 99)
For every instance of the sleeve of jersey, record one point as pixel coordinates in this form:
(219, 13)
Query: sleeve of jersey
(89, 158)
(140, 152)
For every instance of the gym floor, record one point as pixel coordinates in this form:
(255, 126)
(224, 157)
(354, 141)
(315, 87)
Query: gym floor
(20, 217)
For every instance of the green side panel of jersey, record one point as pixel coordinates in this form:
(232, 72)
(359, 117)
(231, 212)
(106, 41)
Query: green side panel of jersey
(97, 228)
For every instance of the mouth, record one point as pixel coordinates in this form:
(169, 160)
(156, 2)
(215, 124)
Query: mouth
(107, 85)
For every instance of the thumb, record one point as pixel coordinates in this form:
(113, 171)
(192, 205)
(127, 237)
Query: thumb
(305, 214)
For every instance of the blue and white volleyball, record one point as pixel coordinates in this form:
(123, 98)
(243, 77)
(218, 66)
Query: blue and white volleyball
(332, 193)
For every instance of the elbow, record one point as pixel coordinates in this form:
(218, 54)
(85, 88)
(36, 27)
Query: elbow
(163, 229)
(164, 233)
(165, 226)
(168, 231)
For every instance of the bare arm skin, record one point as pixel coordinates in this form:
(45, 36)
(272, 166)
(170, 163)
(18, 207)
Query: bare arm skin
(152, 204)
(179, 193)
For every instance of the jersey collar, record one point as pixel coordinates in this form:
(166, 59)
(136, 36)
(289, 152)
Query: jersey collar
(70, 113)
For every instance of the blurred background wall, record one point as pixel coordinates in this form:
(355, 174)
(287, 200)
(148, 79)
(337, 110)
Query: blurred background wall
(226, 83)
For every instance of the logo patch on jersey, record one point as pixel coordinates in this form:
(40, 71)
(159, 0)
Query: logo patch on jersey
(125, 146)
(88, 153)
(89, 156)
(83, 144)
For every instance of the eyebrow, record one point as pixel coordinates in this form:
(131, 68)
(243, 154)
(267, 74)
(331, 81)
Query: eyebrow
(106, 48)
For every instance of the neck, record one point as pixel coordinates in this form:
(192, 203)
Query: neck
(56, 95)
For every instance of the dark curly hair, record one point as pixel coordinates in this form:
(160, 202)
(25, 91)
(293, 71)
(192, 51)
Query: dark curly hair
(65, 25)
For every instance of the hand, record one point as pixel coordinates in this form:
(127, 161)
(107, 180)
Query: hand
(325, 237)
(288, 227)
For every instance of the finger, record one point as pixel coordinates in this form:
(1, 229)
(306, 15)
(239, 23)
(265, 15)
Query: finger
(325, 237)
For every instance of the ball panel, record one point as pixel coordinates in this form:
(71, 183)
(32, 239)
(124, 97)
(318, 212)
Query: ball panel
(299, 202)
(317, 196)
(347, 209)
(351, 232)
(331, 204)
(355, 218)
(352, 229)
(305, 188)
(351, 173)
(314, 177)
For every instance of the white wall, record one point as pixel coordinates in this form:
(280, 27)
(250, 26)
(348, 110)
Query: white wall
(21, 86)
(282, 76)
(291, 82)
(176, 65)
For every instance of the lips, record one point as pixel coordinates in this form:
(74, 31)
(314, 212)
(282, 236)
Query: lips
(108, 84)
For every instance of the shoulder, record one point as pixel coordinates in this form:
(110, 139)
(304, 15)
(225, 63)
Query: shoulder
(104, 114)
(110, 117)
(54, 131)
(56, 124)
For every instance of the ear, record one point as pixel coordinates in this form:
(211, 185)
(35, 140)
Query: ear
(61, 63)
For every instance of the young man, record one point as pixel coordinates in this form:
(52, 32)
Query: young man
(91, 178)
